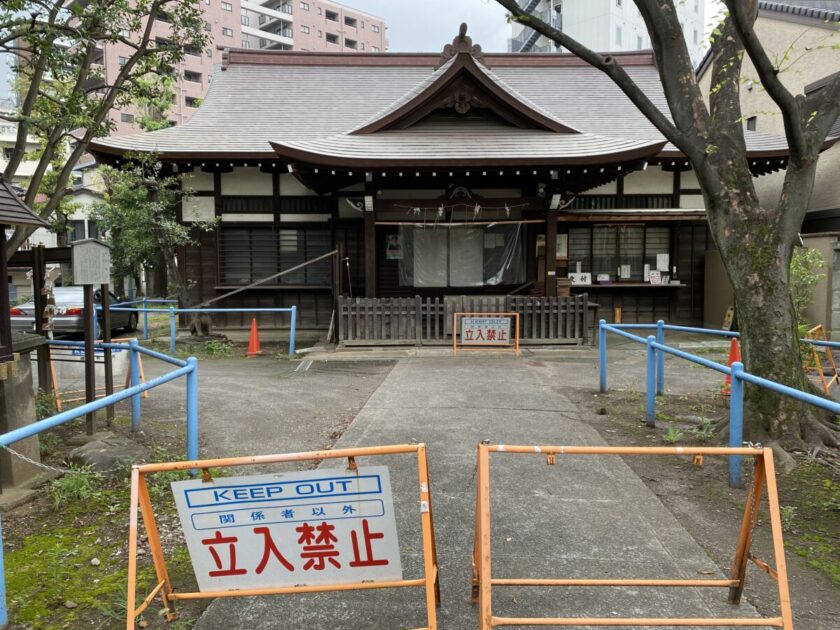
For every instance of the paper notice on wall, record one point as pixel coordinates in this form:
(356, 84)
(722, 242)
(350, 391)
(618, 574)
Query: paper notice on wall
(625, 272)
(662, 261)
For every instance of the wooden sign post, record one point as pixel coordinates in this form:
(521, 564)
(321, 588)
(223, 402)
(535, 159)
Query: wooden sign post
(91, 266)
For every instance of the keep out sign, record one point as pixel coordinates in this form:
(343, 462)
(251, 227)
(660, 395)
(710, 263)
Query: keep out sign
(290, 529)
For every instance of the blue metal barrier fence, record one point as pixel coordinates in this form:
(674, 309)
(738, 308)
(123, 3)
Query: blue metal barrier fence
(144, 308)
(172, 311)
(188, 369)
(655, 377)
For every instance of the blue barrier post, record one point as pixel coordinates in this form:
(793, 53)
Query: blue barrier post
(192, 409)
(145, 319)
(736, 423)
(602, 354)
(172, 329)
(650, 410)
(292, 332)
(660, 359)
(4, 613)
(134, 380)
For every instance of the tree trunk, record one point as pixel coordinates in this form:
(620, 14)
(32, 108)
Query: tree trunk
(174, 280)
(758, 263)
(159, 276)
(138, 285)
(200, 323)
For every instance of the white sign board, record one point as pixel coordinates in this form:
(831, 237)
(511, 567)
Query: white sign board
(491, 331)
(580, 278)
(91, 262)
(321, 527)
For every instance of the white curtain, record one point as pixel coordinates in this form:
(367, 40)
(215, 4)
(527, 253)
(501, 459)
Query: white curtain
(430, 257)
(466, 257)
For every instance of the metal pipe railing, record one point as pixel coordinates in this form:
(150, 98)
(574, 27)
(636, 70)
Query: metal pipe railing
(655, 377)
(188, 369)
(172, 312)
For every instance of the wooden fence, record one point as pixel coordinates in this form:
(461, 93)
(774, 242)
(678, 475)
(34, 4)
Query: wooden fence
(428, 321)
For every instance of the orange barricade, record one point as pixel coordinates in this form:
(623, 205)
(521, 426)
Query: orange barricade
(814, 359)
(496, 343)
(764, 476)
(141, 499)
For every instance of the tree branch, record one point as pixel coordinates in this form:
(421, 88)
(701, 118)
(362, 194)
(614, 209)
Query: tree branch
(676, 71)
(19, 150)
(607, 65)
(743, 14)
(725, 86)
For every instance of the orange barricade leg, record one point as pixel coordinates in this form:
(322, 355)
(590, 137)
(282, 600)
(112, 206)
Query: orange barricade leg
(56, 391)
(742, 550)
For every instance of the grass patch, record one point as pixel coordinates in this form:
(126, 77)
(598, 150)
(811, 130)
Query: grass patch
(50, 542)
(811, 494)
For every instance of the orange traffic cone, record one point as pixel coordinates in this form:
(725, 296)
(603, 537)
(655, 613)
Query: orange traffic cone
(734, 355)
(254, 340)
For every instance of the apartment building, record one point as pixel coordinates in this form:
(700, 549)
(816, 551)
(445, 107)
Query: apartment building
(313, 25)
(603, 25)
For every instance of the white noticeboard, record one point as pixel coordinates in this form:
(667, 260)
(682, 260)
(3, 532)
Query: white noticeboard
(321, 527)
(91, 260)
(491, 331)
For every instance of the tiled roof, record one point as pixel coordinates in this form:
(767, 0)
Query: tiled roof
(834, 132)
(13, 211)
(479, 69)
(432, 144)
(297, 99)
(828, 10)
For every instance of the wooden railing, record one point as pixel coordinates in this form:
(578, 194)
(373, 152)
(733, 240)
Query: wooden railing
(428, 321)
(613, 202)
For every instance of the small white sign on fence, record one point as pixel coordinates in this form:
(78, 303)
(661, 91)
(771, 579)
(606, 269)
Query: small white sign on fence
(491, 331)
(330, 526)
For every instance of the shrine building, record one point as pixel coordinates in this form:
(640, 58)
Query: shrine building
(508, 178)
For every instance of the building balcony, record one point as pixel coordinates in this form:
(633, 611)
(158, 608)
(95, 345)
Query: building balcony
(272, 14)
(271, 38)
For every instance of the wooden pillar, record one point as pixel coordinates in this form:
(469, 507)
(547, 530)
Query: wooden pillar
(370, 253)
(551, 252)
(89, 311)
(39, 272)
(675, 194)
(5, 321)
(619, 192)
(107, 358)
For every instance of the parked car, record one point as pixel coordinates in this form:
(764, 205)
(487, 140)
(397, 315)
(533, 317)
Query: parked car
(69, 315)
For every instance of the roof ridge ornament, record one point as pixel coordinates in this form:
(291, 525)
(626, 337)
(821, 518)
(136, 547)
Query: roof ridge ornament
(462, 44)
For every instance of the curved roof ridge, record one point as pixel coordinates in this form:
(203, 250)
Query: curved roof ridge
(427, 89)
(407, 97)
(488, 144)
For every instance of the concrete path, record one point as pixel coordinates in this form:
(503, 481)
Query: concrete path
(584, 517)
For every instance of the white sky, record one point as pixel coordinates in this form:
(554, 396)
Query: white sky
(427, 25)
